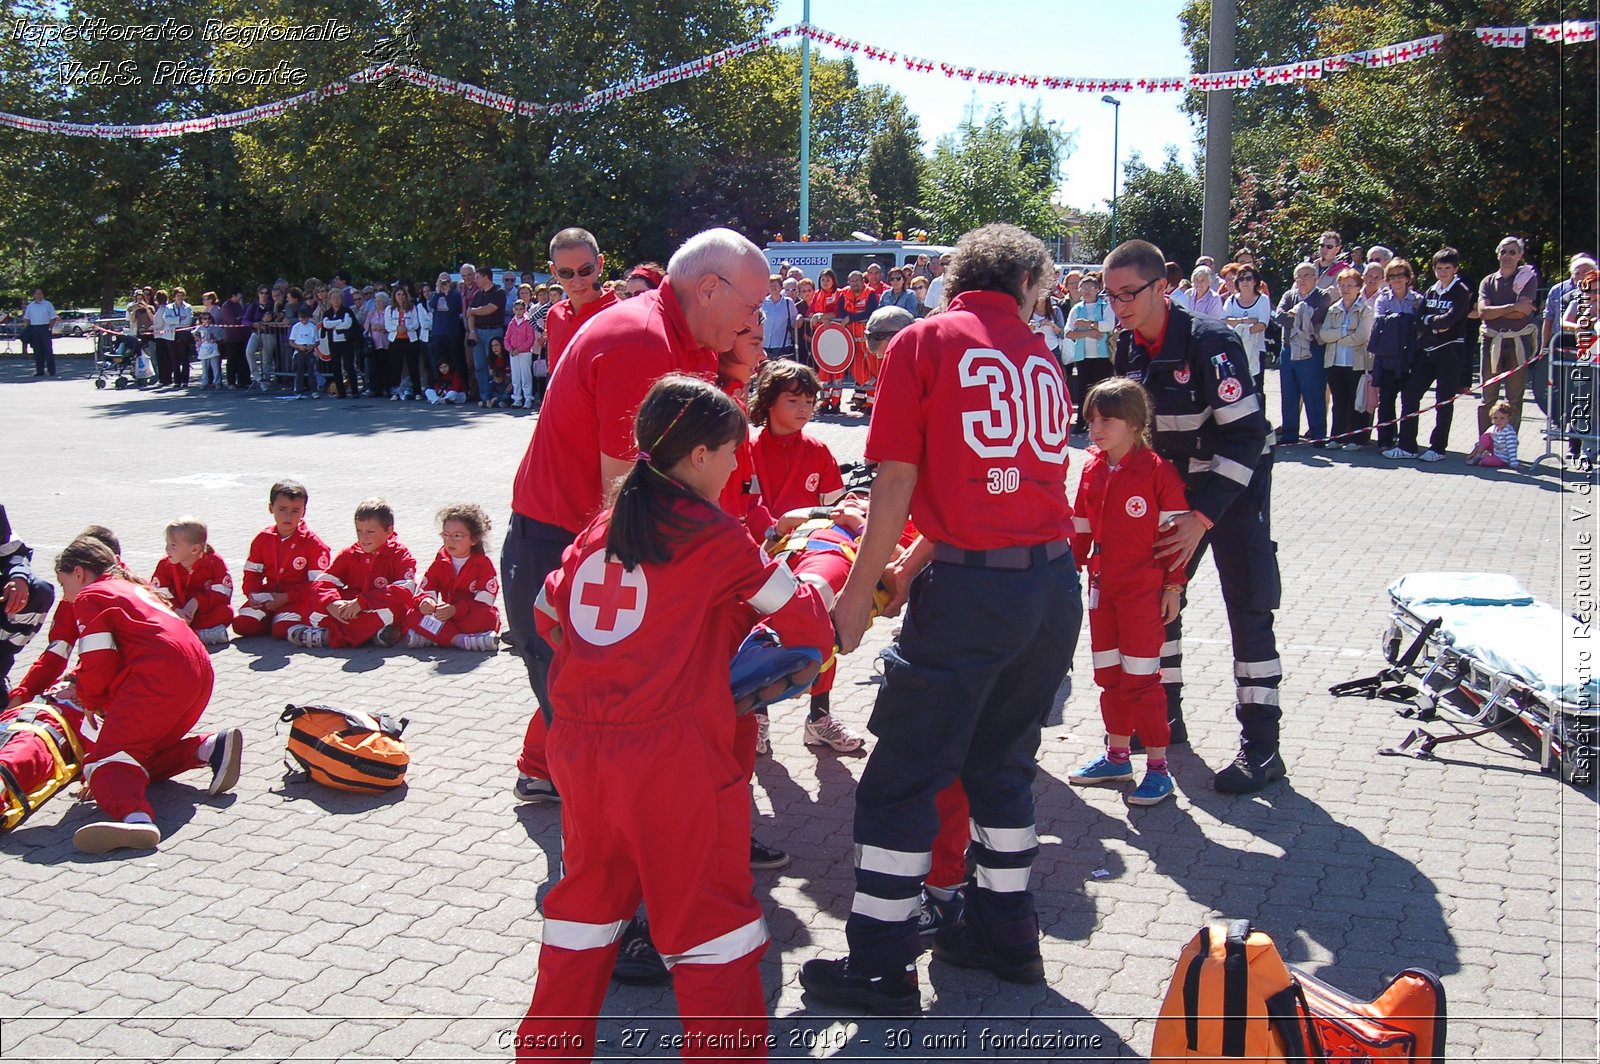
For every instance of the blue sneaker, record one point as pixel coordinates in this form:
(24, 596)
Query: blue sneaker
(1156, 787)
(1101, 770)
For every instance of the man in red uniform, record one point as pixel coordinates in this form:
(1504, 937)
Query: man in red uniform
(285, 557)
(575, 258)
(584, 438)
(972, 440)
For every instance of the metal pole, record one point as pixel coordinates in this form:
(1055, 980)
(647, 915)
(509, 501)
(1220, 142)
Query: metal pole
(1219, 135)
(805, 125)
(1116, 124)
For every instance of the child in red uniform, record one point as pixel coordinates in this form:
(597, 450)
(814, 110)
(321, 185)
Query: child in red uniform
(193, 579)
(795, 471)
(285, 558)
(645, 613)
(367, 592)
(455, 607)
(143, 671)
(50, 665)
(1126, 496)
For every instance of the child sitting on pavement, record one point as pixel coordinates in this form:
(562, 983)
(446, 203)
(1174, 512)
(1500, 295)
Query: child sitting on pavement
(193, 579)
(285, 557)
(456, 601)
(1497, 448)
(367, 592)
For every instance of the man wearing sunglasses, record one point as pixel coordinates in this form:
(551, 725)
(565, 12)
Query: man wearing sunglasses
(1210, 425)
(1330, 263)
(1510, 329)
(576, 260)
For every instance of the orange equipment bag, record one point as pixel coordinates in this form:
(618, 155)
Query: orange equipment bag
(1233, 998)
(348, 749)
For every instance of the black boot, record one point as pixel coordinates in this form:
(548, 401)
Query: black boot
(836, 983)
(1255, 766)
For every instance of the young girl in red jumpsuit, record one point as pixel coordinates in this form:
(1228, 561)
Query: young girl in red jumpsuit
(142, 669)
(455, 604)
(645, 613)
(194, 580)
(1126, 495)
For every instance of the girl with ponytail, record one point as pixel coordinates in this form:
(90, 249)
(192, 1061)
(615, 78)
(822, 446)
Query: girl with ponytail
(645, 613)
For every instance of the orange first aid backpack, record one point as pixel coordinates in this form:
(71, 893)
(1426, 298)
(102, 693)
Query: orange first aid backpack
(348, 749)
(1233, 998)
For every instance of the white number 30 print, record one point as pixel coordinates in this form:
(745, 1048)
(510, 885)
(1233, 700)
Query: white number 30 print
(1024, 405)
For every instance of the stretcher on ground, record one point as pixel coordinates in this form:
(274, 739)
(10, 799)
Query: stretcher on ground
(1478, 651)
(42, 721)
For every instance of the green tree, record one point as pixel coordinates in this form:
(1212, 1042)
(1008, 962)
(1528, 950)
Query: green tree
(894, 172)
(1162, 206)
(992, 171)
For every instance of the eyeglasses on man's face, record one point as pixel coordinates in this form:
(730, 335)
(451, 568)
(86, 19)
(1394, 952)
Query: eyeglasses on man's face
(1129, 297)
(586, 270)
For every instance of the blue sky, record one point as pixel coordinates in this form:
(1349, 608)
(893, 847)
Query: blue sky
(1116, 38)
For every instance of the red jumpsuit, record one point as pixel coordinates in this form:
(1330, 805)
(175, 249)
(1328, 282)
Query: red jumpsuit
(49, 666)
(278, 566)
(1118, 511)
(823, 559)
(855, 310)
(143, 670)
(832, 383)
(207, 584)
(470, 589)
(383, 582)
(795, 471)
(655, 802)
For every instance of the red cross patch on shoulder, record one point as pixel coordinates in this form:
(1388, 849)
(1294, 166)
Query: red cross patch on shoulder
(1181, 374)
(1229, 390)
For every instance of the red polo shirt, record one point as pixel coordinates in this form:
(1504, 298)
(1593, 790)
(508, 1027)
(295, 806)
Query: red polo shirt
(592, 400)
(563, 321)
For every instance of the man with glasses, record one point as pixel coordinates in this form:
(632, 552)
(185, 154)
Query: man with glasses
(575, 258)
(1210, 425)
(1506, 302)
(1329, 262)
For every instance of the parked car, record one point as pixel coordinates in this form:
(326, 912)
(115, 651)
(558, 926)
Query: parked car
(75, 322)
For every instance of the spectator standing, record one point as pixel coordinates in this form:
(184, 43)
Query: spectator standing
(486, 322)
(339, 330)
(235, 333)
(898, 295)
(166, 335)
(1506, 303)
(935, 300)
(1301, 374)
(575, 258)
(1330, 261)
(260, 345)
(41, 317)
(1202, 298)
(1177, 290)
(1089, 329)
(407, 344)
(1442, 359)
(445, 334)
(919, 288)
(1345, 331)
(1395, 346)
(1248, 311)
(780, 319)
(1046, 320)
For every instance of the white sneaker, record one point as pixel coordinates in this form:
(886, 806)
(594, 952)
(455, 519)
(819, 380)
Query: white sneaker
(763, 735)
(1431, 455)
(114, 835)
(213, 636)
(417, 641)
(825, 731)
(481, 641)
(304, 635)
(1398, 452)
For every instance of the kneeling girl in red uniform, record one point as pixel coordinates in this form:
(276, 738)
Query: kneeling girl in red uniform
(1127, 494)
(455, 605)
(193, 579)
(645, 613)
(143, 671)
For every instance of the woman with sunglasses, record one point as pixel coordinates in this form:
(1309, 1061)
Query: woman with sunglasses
(1249, 312)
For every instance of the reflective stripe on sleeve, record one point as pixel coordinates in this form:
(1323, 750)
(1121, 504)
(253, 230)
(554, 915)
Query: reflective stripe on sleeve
(483, 597)
(1227, 467)
(1258, 696)
(1081, 524)
(1256, 669)
(1107, 659)
(1226, 415)
(823, 588)
(223, 589)
(776, 592)
(1002, 880)
(1183, 422)
(119, 757)
(98, 641)
(60, 648)
(1170, 515)
(542, 604)
(385, 615)
(254, 567)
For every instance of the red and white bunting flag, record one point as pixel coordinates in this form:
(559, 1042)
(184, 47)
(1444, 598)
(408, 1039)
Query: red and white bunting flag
(1503, 36)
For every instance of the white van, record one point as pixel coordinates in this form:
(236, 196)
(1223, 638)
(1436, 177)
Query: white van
(842, 256)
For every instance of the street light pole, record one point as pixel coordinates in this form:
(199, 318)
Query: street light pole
(805, 126)
(1116, 122)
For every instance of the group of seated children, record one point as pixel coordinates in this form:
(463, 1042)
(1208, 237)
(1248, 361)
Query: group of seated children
(369, 594)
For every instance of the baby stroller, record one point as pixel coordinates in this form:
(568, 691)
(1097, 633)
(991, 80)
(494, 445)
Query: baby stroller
(122, 359)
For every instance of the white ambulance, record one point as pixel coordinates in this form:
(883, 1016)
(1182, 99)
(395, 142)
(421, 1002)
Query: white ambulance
(842, 256)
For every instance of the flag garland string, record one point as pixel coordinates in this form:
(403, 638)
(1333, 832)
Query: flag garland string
(1244, 78)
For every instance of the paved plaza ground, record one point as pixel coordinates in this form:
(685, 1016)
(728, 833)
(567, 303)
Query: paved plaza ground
(289, 922)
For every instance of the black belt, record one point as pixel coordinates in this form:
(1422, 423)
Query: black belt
(536, 529)
(1004, 557)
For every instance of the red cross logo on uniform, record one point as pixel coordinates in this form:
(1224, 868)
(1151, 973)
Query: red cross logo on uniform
(608, 601)
(1137, 507)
